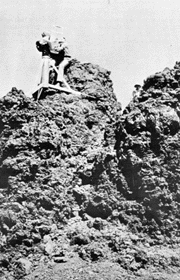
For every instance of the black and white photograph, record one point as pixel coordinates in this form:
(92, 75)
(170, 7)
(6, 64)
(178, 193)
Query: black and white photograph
(89, 140)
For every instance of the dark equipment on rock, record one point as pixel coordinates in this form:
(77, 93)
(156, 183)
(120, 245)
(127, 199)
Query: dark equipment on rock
(50, 46)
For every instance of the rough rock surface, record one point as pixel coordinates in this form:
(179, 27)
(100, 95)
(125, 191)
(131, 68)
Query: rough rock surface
(87, 192)
(149, 154)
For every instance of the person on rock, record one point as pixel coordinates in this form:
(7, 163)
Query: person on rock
(136, 92)
(55, 54)
(60, 52)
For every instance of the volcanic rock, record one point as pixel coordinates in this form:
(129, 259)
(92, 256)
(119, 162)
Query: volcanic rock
(86, 190)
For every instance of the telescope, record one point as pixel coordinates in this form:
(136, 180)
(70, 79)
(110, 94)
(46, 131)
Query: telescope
(48, 46)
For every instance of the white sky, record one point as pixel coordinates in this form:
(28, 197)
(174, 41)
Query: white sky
(131, 38)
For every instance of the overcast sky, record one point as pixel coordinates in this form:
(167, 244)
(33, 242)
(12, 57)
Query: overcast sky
(131, 38)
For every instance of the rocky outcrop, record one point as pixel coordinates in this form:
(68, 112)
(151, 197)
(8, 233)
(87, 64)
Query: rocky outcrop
(149, 153)
(86, 191)
(57, 157)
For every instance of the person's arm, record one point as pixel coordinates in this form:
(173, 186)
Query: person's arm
(134, 93)
(57, 48)
(45, 40)
(39, 46)
(63, 45)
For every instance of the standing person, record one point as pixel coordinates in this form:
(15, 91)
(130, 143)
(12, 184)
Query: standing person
(136, 92)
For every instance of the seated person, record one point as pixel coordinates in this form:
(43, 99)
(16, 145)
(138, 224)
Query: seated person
(60, 52)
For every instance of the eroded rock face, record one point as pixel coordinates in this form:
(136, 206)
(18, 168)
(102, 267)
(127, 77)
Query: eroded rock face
(81, 182)
(149, 152)
(57, 144)
(54, 155)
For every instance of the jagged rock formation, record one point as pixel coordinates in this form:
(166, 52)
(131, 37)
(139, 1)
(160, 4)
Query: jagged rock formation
(149, 153)
(86, 192)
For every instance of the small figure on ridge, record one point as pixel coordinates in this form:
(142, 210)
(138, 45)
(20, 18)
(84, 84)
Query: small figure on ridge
(136, 92)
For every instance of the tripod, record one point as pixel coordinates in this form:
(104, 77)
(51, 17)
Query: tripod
(46, 64)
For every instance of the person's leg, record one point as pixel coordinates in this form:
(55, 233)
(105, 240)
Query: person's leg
(62, 65)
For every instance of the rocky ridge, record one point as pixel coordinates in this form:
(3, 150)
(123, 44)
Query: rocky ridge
(86, 191)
